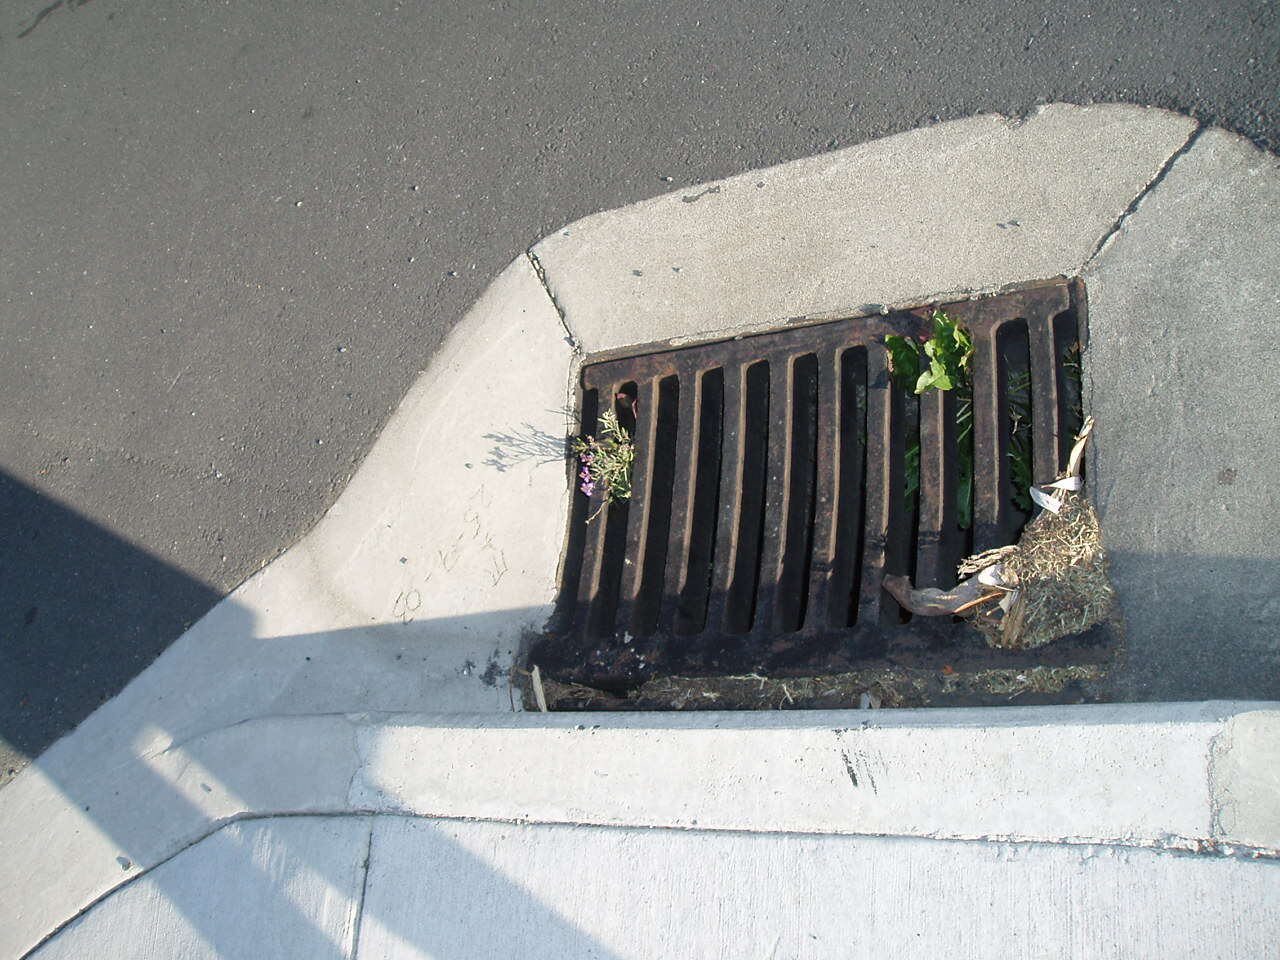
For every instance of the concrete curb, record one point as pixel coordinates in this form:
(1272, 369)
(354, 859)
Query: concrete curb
(1180, 777)
(413, 593)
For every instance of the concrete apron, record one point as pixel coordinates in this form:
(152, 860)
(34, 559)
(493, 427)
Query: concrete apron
(303, 691)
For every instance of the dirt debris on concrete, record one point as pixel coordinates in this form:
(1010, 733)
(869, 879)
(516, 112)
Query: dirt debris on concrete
(889, 687)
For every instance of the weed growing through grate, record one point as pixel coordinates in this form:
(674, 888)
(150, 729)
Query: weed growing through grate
(606, 462)
(948, 352)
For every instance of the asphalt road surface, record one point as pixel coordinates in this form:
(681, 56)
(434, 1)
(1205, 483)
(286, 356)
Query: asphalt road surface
(233, 234)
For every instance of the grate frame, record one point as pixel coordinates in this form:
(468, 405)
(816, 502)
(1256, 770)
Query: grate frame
(766, 502)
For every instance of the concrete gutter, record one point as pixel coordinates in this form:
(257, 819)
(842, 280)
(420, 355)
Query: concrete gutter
(365, 670)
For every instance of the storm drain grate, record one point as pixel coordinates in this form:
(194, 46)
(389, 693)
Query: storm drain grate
(771, 494)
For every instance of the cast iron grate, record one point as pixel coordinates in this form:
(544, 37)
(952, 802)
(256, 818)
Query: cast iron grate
(769, 495)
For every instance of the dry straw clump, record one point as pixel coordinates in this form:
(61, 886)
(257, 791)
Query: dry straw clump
(1052, 583)
(1055, 579)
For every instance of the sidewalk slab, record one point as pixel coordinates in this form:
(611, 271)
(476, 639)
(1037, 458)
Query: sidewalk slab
(270, 888)
(1181, 368)
(394, 887)
(510, 890)
(938, 212)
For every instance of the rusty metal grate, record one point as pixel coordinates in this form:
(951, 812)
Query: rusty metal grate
(769, 493)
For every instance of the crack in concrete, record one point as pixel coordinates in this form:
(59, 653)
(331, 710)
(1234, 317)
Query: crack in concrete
(570, 337)
(1132, 208)
(357, 719)
(364, 890)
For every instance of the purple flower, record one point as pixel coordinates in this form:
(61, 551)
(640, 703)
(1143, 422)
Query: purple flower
(588, 487)
(587, 457)
(585, 474)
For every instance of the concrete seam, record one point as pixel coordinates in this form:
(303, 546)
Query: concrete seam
(1171, 844)
(1132, 208)
(364, 890)
(213, 827)
(541, 271)
(1219, 745)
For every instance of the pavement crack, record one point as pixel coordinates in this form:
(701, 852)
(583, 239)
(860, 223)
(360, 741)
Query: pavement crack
(1142, 195)
(695, 197)
(570, 337)
(364, 890)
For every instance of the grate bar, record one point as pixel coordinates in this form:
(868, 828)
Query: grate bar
(851, 468)
(638, 515)
(988, 445)
(883, 455)
(827, 458)
(777, 496)
(589, 592)
(938, 539)
(744, 583)
(1045, 399)
(686, 472)
(731, 465)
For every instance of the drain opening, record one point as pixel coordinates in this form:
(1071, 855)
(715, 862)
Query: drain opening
(656, 459)
(740, 606)
(793, 578)
(695, 593)
(1019, 466)
(845, 579)
(779, 477)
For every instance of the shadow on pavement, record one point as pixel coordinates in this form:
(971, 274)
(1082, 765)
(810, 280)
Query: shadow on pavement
(84, 612)
(137, 781)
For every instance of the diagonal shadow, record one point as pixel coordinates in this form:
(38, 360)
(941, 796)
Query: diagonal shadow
(209, 681)
(82, 612)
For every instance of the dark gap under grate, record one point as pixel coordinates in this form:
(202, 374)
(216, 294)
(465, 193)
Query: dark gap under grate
(770, 496)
